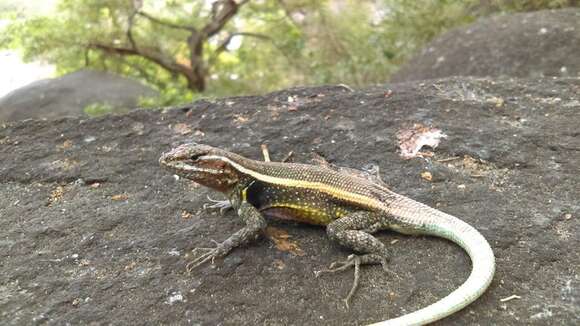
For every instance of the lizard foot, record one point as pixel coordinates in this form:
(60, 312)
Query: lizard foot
(223, 205)
(206, 254)
(353, 261)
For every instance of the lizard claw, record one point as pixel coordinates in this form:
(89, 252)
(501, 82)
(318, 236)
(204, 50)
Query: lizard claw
(353, 261)
(223, 205)
(206, 255)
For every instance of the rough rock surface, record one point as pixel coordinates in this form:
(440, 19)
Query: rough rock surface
(68, 95)
(92, 230)
(541, 43)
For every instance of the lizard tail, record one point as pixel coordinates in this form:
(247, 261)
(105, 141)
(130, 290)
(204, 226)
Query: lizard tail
(417, 218)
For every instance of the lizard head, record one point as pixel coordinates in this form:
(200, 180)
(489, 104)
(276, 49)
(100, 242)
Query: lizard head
(203, 164)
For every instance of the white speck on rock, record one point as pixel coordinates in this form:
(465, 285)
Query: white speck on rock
(568, 292)
(174, 252)
(174, 297)
(90, 139)
(543, 31)
(545, 313)
(39, 317)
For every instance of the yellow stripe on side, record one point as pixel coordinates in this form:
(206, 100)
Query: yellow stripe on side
(245, 195)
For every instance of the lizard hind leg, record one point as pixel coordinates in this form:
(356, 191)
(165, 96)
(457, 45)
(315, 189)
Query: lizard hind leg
(354, 231)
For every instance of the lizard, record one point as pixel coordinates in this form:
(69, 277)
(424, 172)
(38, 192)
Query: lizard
(350, 206)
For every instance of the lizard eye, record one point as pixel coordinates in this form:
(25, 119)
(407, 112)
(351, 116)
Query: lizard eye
(195, 157)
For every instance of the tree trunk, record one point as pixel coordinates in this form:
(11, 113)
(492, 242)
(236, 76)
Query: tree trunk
(196, 79)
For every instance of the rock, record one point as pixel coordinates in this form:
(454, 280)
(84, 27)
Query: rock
(68, 95)
(114, 249)
(535, 44)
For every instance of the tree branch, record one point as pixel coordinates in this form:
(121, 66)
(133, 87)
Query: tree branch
(196, 71)
(166, 23)
(153, 56)
(222, 11)
(130, 29)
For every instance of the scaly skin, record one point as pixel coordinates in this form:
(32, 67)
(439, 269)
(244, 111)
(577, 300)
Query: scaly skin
(350, 205)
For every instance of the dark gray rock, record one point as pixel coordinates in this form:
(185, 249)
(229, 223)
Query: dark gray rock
(112, 248)
(68, 95)
(541, 43)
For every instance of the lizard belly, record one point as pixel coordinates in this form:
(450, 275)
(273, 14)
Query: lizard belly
(298, 213)
(300, 205)
(303, 213)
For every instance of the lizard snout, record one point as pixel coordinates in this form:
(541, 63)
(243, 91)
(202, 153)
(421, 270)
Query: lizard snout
(182, 153)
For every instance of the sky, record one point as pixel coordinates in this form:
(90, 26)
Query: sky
(16, 73)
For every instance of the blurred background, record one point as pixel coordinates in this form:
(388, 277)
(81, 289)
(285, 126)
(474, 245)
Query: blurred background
(129, 53)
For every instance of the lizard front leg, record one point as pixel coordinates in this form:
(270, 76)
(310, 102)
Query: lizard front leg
(255, 224)
(354, 231)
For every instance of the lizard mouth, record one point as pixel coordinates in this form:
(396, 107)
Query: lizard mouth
(185, 167)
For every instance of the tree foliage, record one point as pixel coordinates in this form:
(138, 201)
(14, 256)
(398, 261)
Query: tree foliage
(225, 47)
(179, 45)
